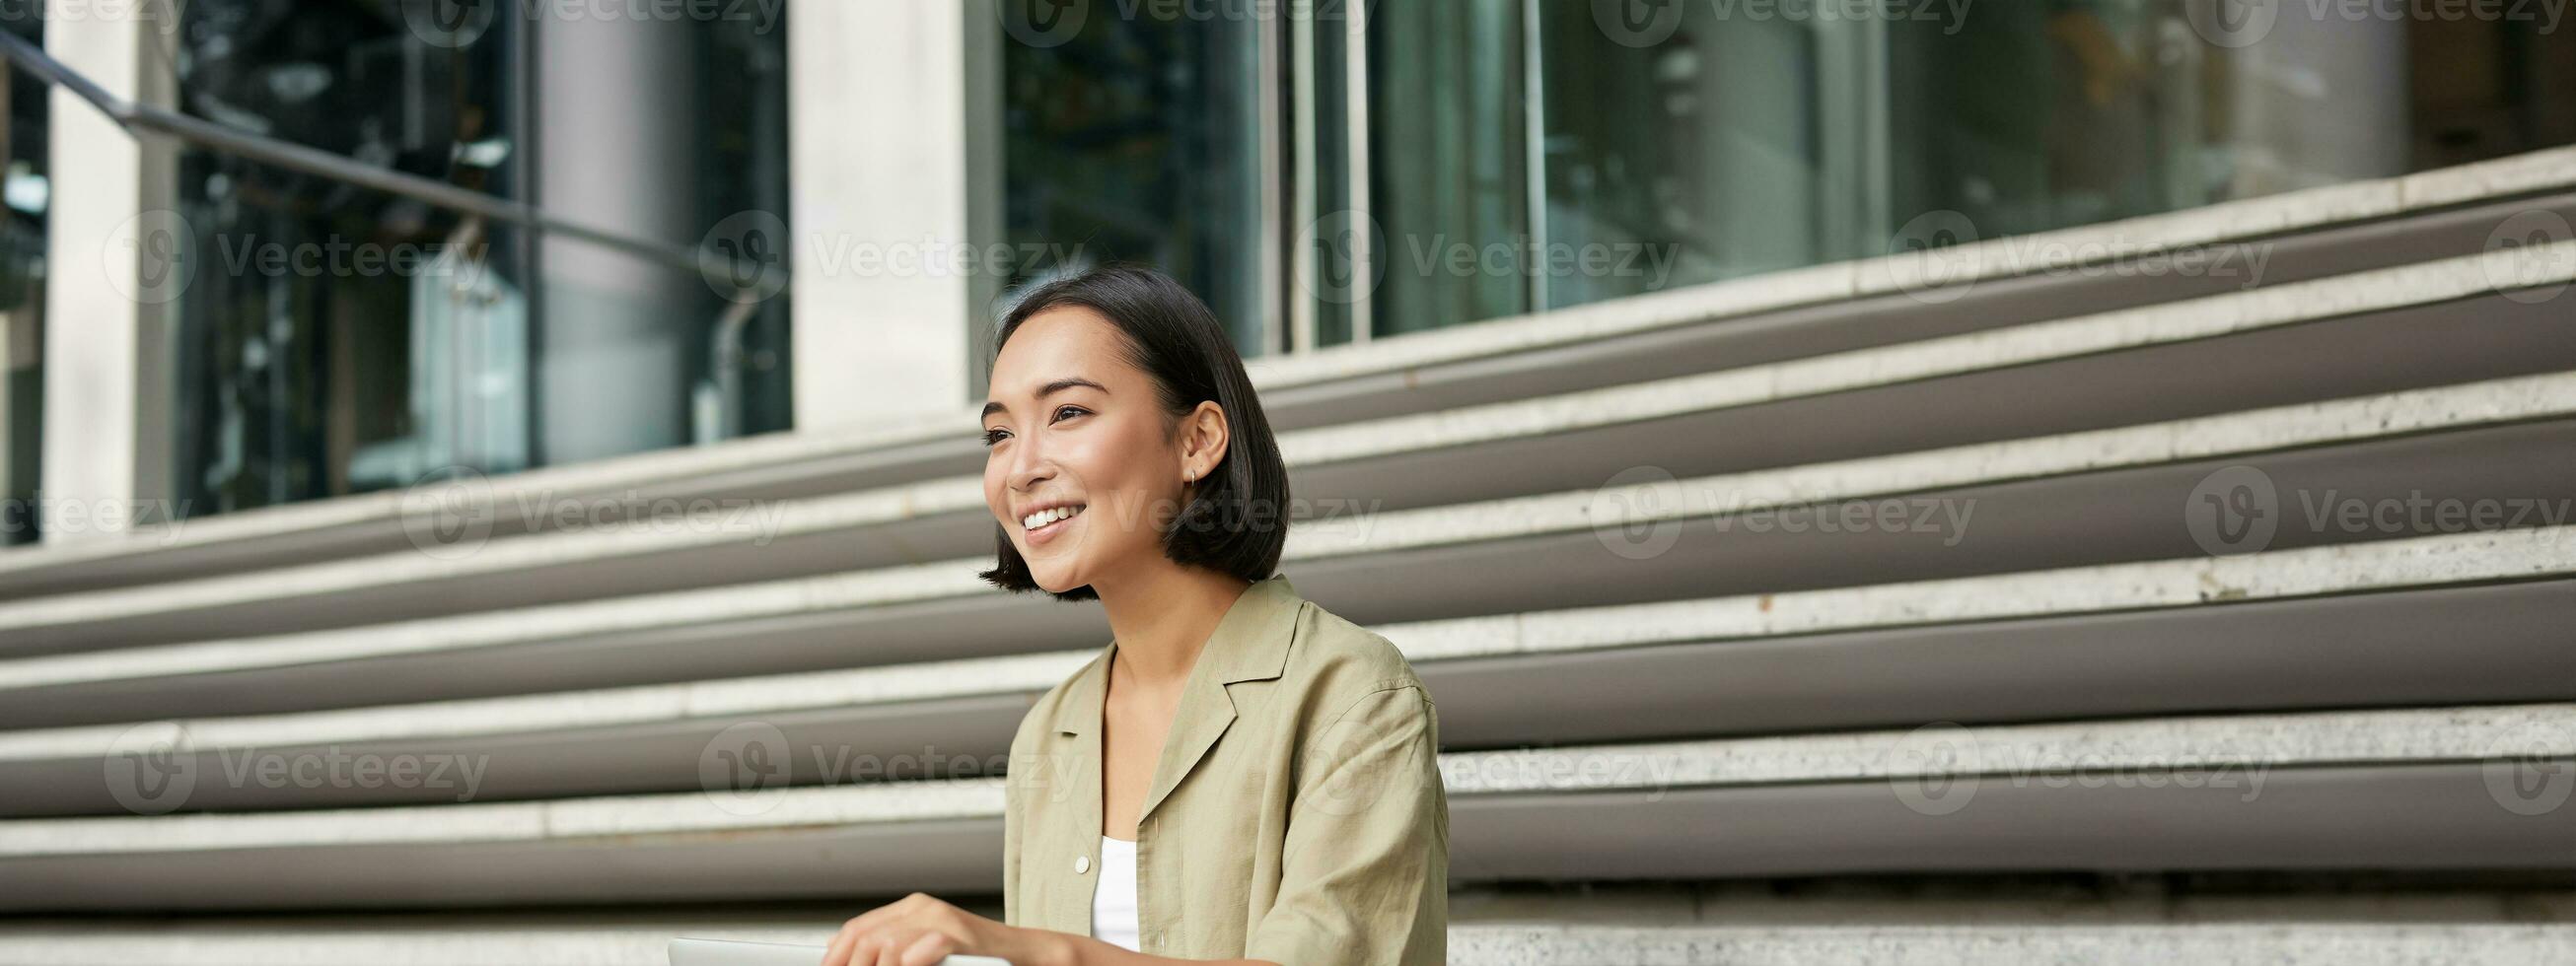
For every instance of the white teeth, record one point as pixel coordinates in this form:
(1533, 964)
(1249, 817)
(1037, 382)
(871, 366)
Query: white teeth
(1044, 517)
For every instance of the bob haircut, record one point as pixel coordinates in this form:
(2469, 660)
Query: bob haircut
(1235, 518)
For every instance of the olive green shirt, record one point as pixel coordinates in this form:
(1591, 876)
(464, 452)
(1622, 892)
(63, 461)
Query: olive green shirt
(1296, 814)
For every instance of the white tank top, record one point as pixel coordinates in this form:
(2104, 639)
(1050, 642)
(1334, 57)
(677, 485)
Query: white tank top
(1113, 902)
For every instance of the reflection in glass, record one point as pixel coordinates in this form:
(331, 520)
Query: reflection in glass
(1754, 138)
(1703, 157)
(24, 190)
(335, 340)
(1448, 180)
(1139, 139)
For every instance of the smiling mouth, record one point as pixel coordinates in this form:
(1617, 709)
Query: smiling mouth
(1045, 520)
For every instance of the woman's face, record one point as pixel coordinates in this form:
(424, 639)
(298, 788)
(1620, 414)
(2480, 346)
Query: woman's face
(1072, 425)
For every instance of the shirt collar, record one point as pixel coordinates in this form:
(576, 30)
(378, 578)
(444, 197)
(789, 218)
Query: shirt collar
(1250, 643)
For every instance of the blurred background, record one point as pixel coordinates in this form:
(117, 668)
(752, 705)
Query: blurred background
(1915, 480)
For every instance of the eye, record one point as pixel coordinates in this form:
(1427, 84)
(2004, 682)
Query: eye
(992, 436)
(1061, 410)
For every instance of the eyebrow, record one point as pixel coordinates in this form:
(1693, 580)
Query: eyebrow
(1049, 389)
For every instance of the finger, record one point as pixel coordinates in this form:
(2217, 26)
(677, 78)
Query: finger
(838, 954)
(927, 950)
(885, 950)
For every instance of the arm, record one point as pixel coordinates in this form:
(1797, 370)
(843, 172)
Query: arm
(1365, 876)
(1365, 868)
(920, 930)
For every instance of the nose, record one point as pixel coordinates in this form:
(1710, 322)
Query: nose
(1028, 464)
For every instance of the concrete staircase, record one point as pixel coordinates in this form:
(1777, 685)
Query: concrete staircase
(1898, 571)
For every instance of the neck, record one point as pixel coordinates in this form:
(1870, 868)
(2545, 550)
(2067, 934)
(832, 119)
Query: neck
(1161, 620)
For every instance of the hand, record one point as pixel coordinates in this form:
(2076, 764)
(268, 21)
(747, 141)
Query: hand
(918, 930)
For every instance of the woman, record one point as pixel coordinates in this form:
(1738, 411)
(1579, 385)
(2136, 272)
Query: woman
(1239, 776)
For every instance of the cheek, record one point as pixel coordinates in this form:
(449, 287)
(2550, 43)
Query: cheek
(1116, 479)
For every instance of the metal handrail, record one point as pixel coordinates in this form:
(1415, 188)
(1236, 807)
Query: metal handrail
(149, 119)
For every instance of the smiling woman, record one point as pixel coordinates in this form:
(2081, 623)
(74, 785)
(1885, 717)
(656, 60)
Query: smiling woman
(1151, 794)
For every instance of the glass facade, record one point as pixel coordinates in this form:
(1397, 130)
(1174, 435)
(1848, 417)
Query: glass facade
(1141, 140)
(1485, 158)
(336, 339)
(24, 190)
(1322, 171)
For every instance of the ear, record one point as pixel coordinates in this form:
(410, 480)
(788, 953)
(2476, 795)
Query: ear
(1204, 436)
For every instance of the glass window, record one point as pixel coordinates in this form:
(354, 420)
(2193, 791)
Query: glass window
(1699, 157)
(24, 190)
(337, 340)
(1138, 138)
(1447, 167)
(1676, 142)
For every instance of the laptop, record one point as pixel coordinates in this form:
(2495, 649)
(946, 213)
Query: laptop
(729, 952)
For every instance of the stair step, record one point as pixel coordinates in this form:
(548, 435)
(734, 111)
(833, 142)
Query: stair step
(2169, 636)
(2485, 441)
(2396, 789)
(450, 940)
(2306, 233)
(889, 526)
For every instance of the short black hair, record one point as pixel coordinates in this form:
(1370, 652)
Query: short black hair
(1236, 519)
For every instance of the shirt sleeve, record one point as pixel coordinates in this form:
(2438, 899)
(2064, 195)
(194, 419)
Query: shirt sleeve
(1011, 822)
(1364, 875)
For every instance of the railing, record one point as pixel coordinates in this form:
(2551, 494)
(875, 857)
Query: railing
(138, 118)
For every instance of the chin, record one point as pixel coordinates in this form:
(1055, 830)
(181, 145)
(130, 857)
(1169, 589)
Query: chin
(1053, 583)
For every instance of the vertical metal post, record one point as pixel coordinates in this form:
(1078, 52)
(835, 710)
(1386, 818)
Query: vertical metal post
(1363, 241)
(1304, 181)
(1271, 86)
(1534, 156)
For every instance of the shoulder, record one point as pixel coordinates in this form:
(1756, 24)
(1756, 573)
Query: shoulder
(1341, 665)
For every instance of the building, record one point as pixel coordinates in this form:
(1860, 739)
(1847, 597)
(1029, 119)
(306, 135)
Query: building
(2059, 479)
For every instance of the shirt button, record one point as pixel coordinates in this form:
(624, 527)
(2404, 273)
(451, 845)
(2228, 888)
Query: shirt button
(1081, 864)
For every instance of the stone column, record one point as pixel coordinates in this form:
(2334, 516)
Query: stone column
(120, 259)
